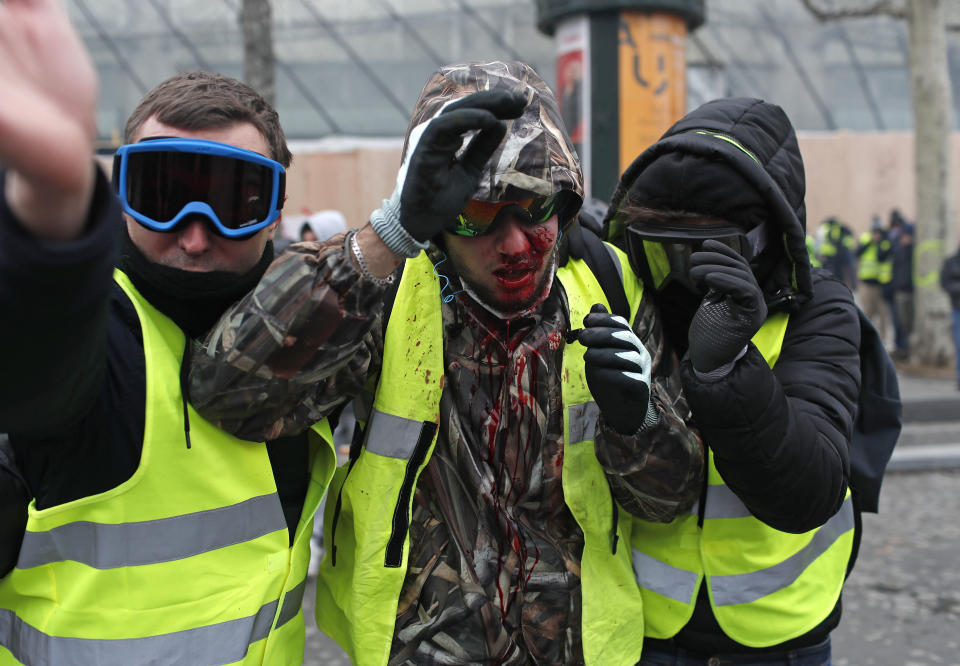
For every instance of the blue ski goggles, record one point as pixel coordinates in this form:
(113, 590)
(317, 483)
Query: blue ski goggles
(161, 182)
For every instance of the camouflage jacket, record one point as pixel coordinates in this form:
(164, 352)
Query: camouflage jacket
(493, 573)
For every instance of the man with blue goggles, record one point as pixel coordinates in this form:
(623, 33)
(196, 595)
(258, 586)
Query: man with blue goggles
(141, 531)
(162, 182)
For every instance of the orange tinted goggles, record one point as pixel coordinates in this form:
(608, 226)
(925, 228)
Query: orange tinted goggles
(479, 216)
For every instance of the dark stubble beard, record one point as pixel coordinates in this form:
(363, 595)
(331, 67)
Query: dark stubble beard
(512, 309)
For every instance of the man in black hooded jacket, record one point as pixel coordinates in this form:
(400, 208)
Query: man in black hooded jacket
(713, 218)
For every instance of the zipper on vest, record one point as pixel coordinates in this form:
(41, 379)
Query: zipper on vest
(184, 385)
(356, 445)
(401, 513)
(614, 537)
(702, 508)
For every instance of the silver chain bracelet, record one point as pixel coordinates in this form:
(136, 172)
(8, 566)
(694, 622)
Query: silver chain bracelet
(364, 268)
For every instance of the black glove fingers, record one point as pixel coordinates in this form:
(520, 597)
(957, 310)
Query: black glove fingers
(617, 369)
(713, 245)
(628, 360)
(605, 320)
(603, 336)
(482, 147)
(703, 258)
(617, 381)
(744, 293)
(447, 129)
(501, 103)
(700, 274)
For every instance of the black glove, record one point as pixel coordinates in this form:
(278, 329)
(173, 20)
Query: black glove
(617, 368)
(732, 311)
(438, 185)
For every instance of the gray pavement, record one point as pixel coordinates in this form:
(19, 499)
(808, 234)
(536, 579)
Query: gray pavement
(902, 601)
(931, 422)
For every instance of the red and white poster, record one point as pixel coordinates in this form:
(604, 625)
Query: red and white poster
(573, 85)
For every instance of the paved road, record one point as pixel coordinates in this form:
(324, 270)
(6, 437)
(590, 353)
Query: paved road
(902, 602)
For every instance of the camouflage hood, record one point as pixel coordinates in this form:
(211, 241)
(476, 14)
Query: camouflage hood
(536, 156)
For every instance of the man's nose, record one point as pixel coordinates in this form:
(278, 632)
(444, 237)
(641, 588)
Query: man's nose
(512, 236)
(194, 238)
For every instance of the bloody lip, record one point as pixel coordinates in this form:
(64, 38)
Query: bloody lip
(514, 278)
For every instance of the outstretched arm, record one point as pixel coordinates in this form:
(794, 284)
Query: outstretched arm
(308, 336)
(57, 222)
(47, 113)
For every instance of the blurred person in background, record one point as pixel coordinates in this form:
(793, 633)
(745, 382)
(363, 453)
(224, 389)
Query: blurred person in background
(874, 270)
(307, 234)
(901, 284)
(323, 225)
(836, 251)
(894, 228)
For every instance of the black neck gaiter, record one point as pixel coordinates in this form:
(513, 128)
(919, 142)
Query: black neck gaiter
(194, 301)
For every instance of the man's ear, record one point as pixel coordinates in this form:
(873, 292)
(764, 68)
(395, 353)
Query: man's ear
(273, 227)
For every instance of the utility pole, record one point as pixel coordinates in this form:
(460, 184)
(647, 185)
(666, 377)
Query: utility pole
(621, 76)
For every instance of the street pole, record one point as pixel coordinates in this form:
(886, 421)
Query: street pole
(621, 76)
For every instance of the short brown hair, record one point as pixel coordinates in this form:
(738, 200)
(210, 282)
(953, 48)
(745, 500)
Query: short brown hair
(207, 100)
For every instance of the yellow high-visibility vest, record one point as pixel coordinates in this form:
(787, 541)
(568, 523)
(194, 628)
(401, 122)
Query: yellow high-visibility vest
(765, 586)
(188, 561)
(368, 514)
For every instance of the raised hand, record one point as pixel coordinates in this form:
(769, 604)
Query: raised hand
(617, 368)
(731, 312)
(47, 118)
(437, 184)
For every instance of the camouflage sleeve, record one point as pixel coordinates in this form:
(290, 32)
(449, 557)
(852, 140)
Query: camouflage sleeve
(298, 345)
(656, 474)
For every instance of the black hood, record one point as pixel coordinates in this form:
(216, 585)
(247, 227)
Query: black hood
(737, 159)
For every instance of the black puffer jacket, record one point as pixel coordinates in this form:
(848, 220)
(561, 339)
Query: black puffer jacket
(780, 437)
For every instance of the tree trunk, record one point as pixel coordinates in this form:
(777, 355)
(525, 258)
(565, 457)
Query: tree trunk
(935, 234)
(259, 64)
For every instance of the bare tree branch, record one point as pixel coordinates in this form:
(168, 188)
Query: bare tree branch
(880, 7)
(876, 8)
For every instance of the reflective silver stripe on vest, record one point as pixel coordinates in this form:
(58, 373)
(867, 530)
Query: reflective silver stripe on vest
(291, 603)
(108, 546)
(747, 587)
(723, 503)
(392, 436)
(221, 643)
(583, 421)
(660, 577)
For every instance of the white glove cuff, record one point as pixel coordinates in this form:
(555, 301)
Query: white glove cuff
(653, 416)
(719, 373)
(386, 223)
